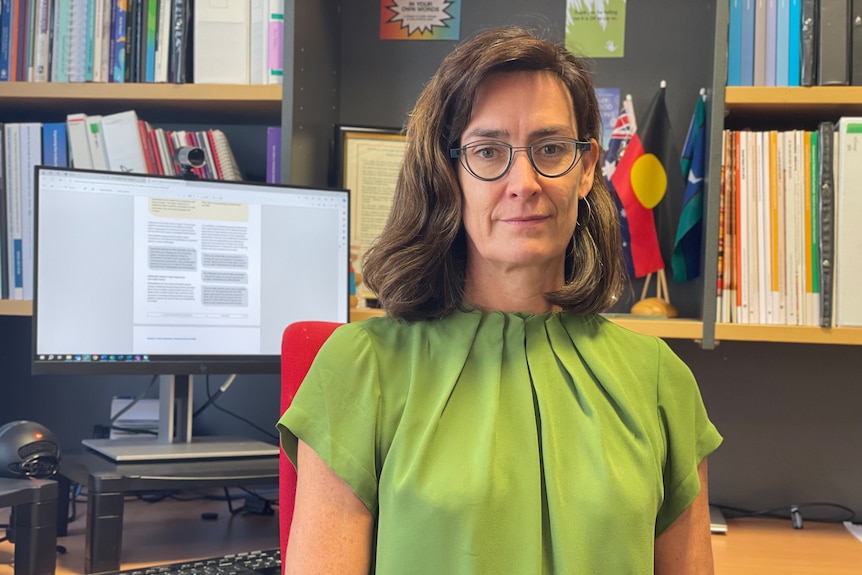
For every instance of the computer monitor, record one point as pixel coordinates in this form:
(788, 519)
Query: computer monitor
(143, 274)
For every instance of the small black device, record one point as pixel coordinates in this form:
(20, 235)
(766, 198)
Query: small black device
(28, 449)
(188, 158)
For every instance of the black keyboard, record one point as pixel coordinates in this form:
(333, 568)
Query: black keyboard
(267, 562)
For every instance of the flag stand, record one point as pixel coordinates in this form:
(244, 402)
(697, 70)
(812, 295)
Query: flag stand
(659, 305)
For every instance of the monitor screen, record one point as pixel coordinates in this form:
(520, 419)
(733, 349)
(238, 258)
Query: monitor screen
(142, 274)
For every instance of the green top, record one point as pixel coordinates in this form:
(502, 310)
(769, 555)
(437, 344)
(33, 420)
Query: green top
(506, 443)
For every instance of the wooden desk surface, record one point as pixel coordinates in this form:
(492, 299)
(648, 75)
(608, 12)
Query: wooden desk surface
(772, 546)
(171, 531)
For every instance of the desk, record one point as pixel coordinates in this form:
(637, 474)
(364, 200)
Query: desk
(107, 482)
(35, 504)
(771, 546)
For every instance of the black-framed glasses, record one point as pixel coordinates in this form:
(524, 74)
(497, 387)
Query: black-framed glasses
(491, 160)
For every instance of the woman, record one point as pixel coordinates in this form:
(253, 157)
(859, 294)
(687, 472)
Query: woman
(493, 423)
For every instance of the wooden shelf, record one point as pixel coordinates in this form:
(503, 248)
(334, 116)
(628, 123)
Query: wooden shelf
(661, 327)
(788, 334)
(227, 103)
(16, 307)
(800, 103)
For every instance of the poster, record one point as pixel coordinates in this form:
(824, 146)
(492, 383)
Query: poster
(609, 108)
(420, 19)
(596, 28)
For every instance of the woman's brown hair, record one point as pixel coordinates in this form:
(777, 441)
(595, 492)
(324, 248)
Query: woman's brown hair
(416, 267)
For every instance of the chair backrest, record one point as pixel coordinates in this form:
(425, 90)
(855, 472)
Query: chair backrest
(300, 343)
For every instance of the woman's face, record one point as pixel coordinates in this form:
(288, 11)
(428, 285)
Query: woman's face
(524, 219)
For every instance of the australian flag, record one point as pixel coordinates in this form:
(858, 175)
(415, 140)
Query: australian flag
(624, 129)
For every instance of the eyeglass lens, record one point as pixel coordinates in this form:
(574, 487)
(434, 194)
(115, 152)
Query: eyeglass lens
(490, 160)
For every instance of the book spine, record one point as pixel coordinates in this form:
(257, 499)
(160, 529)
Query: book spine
(771, 69)
(827, 191)
(6, 7)
(42, 46)
(118, 41)
(856, 43)
(275, 48)
(833, 65)
(808, 73)
(14, 233)
(734, 44)
(90, 42)
(794, 42)
(152, 17)
(273, 155)
(746, 67)
(4, 233)
(54, 147)
(179, 26)
(782, 43)
(847, 271)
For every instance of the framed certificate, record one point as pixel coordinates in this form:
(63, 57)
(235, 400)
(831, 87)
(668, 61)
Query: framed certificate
(367, 163)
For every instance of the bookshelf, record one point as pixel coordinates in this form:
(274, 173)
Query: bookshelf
(760, 106)
(222, 103)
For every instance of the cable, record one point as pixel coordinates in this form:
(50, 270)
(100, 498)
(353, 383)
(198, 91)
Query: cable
(211, 402)
(792, 512)
(212, 398)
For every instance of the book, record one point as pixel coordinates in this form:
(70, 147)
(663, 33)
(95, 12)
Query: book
(833, 51)
(782, 43)
(794, 43)
(163, 41)
(79, 141)
(760, 44)
(808, 36)
(151, 24)
(226, 158)
(4, 234)
(77, 51)
(848, 215)
(273, 154)
(96, 140)
(31, 156)
(6, 8)
(42, 41)
(117, 62)
(771, 67)
(856, 43)
(123, 142)
(14, 221)
(275, 37)
(258, 55)
(734, 44)
(54, 145)
(177, 66)
(825, 131)
(221, 42)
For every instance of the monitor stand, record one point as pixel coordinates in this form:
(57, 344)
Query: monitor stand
(175, 441)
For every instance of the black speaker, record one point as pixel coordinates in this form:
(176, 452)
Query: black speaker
(28, 449)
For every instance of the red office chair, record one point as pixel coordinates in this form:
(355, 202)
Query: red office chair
(299, 345)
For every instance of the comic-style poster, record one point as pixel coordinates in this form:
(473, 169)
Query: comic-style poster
(420, 19)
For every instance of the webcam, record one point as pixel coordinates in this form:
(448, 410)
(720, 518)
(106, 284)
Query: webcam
(189, 158)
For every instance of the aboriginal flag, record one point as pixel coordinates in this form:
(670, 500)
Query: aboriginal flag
(646, 173)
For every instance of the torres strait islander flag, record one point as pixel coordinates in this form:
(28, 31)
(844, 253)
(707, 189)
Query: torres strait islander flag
(642, 180)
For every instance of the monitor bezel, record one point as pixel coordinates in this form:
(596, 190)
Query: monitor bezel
(163, 365)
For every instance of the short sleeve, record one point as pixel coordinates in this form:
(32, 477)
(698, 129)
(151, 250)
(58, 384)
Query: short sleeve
(689, 433)
(335, 412)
